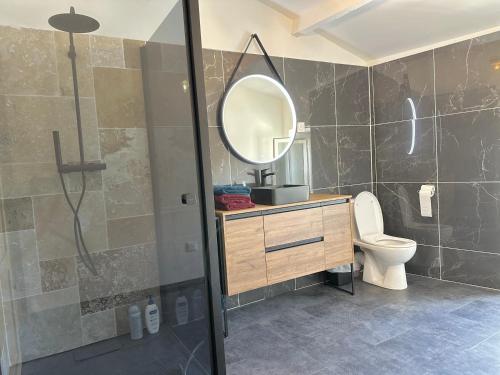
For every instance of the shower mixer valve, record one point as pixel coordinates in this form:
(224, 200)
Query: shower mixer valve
(87, 166)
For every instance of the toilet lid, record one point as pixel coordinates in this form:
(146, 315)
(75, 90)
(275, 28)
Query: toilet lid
(368, 215)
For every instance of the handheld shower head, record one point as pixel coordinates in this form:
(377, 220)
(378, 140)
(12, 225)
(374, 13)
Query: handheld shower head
(73, 22)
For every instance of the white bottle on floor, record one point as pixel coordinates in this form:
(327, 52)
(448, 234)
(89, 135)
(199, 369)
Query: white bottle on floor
(152, 316)
(135, 321)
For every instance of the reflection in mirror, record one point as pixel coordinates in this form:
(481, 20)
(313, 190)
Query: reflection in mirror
(257, 111)
(294, 167)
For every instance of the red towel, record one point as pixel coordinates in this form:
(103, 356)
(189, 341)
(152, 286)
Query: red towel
(233, 206)
(232, 198)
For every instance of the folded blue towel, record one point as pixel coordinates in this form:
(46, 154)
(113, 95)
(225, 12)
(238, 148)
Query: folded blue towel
(232, 189)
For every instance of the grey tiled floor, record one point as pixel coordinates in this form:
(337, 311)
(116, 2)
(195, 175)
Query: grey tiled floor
(433, 327)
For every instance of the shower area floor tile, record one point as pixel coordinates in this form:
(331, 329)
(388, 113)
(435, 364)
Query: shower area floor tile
(166, 353)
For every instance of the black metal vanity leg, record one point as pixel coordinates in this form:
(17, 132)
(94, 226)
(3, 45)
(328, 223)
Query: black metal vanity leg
(224, 315)
(352, 278)
(351, 292)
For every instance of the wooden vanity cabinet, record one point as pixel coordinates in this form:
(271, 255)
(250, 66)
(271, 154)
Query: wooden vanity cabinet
(283, 265)
(293, 226)
(245, 255)
(271, 244)
(338, 236)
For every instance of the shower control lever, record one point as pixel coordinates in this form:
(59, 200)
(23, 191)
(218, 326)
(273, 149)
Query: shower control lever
(88, 166)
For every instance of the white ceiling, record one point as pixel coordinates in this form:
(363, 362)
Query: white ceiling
(134, 19)
(376, 30)
(372, 30)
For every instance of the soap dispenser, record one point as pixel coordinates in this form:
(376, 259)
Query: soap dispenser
(152, 316)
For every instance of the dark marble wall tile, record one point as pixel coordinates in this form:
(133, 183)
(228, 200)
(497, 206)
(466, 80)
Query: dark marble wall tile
(352, 95)
(470, 216)
(471, 267)
(252, 296)
(465, 146)
(401, 210)
(469, 146)
(314, 87)
(251, 64)
(396, 81)
(309, 280)
(465, 78)
(372, 102)
(311, 85)
(397, 161)
(220, 157)
(331, 190)
(241, 171)
(425, 262)
(324, 157)
(232, 302)
(354, 162)
(355, 189)
(214, 83)
(280, 288)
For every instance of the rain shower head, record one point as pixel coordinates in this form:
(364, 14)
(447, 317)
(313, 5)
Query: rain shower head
(73, 22)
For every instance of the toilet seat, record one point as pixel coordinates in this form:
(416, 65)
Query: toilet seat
(388, 241)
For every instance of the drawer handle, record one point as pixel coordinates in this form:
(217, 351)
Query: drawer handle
(294, 244)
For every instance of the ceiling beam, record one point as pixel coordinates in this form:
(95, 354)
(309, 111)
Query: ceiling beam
(325, 12)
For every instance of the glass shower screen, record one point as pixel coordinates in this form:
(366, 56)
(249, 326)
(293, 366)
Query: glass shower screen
(103, 226)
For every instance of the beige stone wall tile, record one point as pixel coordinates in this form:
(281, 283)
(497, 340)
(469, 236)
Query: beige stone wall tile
(131, 231)
(54, 224)
(132, 52)
(118, 271)
(26, 133)
(28, 62)
(106, 51)
(46, 324)
(123, 106)
(127, 180)
(98, 326)
(2, 222)
(152, 271)
(83, 64)
(21, 180)
(58, 274)
(19, 271)
(18, 214)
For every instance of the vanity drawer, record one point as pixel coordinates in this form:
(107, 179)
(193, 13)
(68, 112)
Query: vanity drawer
(245, 255)
(294, 262)
(294, 226)
(338, 237)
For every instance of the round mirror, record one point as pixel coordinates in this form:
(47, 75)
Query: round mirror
(258, 118)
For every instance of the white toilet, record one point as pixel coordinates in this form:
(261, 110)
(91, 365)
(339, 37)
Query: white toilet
(385, 256)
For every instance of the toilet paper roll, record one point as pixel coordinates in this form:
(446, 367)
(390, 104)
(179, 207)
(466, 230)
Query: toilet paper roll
(425, 194)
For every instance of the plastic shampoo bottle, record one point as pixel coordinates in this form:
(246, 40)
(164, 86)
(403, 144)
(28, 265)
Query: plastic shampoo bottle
(152, 316)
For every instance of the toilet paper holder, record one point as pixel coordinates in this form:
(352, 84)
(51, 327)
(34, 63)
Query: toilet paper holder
(429, 188)
(425, 194)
